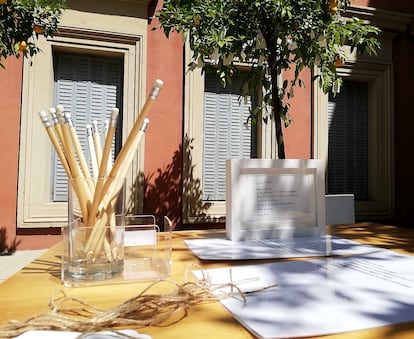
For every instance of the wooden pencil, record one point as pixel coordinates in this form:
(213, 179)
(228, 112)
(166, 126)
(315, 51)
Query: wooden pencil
(108, 142)
(92, 152)
(129, 142)
(97, 141)
(48, 124)
(103, 166)
(124, 159)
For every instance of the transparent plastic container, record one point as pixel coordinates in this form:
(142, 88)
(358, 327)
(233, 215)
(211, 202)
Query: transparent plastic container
(146, 249)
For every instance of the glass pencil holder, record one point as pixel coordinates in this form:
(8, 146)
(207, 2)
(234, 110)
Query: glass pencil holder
(93, 240)
(146, 252)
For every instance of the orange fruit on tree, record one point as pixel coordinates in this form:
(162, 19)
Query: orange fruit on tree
(333, 6)
(2, 2)
(22, 45)
(38, 29)
(339, 62)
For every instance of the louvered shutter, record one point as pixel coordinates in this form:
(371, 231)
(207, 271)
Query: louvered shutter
(88, 87)
(227, 135)
(348, 140)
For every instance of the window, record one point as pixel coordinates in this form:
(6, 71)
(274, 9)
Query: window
(353, 135)
(376, 72)
(348, 141)
(216, 128)
(71, 70)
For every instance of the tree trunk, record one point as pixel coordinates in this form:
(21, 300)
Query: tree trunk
(276, 103)
(268, 32)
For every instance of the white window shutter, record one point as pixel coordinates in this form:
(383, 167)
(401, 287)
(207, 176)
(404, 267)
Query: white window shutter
(226, 134)
(88, 87)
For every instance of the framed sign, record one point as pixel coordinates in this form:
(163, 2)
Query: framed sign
(274, 198)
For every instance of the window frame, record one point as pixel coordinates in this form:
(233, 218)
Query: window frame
(195, 209)
(377, 73)
(34, 208)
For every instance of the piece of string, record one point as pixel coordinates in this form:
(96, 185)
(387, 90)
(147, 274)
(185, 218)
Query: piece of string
(146, 309)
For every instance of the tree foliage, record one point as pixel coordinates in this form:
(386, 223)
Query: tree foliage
(270, 36)
(21, 22)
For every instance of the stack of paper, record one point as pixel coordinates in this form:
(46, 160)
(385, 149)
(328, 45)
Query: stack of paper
(321, 296)
(314, 246)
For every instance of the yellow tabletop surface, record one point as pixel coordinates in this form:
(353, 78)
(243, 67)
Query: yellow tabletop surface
(27, 293)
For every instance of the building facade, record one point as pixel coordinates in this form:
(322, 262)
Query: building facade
(108, 54)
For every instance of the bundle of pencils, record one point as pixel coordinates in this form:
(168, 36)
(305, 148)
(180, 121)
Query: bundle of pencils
(96, 192)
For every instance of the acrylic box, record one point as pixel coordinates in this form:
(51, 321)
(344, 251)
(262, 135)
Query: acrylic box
(147, 253)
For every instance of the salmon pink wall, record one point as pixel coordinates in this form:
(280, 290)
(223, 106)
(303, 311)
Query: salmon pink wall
(298, 142)
(10, 107)
(10, 85)
(163, 155)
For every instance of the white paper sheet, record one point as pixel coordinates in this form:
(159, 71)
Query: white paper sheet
(224, 249)
(323, 296)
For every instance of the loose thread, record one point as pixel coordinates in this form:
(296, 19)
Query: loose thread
(145, 309)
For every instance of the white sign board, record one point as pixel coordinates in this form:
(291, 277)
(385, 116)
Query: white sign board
(268, 198)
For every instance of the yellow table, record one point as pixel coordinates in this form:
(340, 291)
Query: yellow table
(28, 292)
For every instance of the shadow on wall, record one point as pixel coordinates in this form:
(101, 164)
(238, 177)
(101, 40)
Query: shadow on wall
(136, 195)
(5, 246)
(195, 207)
(165, 189)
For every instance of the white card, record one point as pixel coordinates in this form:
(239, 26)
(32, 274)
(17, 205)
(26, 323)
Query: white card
(268, 198)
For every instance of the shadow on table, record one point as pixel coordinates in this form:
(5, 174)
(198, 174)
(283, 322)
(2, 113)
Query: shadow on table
(44, 266)
(386, 236)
